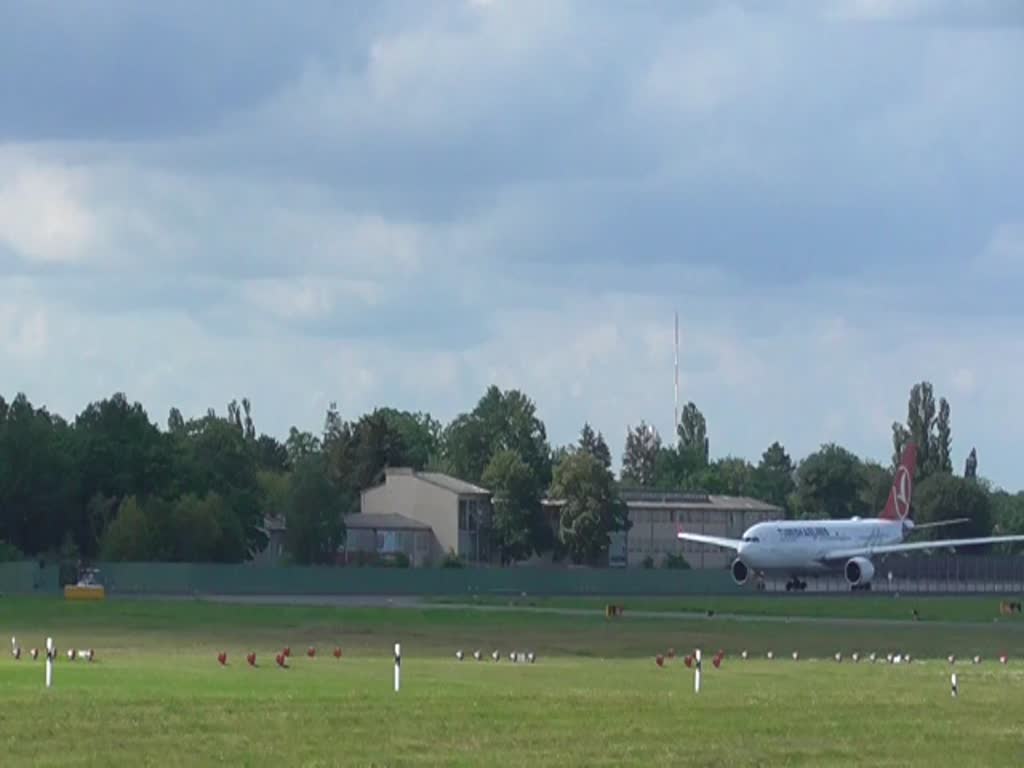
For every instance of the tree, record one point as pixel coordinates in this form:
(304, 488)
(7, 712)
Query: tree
(594, 444)
(391, 438)
(559, 454)
(175, 421)
(516, 517)
(358, 453)
(192, 529)
(500, 421)
(249, 426)
(100, 512)
(591, 507)
(275, 491)
(773, 478)
(40, 496)
(130, 536)
(300, 444)
(271, 454)
(215, 457)
(942, 442)
(830, 483)
(920, 421)
(1008, 518)
(971, 465)
(945, 497)
(235, 416)
(121, 452)
(731, 476)
(420, 435)
(315, 528)
(693, 433)
(640, 456)
(377, 444)
(928, 429)
(876, 486)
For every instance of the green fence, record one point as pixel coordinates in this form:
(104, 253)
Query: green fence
(175, 578)
(187, 578)
(28, 577)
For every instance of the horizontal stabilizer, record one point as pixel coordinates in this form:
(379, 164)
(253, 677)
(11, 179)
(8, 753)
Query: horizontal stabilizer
(717, 541)
(958, 521)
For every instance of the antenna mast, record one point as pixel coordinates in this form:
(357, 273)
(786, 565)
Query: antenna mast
(676, 387)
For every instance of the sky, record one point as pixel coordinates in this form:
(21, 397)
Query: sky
(402, 202)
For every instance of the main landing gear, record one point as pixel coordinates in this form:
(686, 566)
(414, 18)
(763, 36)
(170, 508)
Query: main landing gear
(795, 585)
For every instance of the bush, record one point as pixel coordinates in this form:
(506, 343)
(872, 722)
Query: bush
(395, 560)
(451, 560)
(677, 562)
(10, 553)
(648, 562)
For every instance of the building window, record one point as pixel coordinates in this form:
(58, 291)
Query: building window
(468, 512)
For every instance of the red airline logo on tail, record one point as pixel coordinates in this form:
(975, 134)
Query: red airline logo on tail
(898, 505)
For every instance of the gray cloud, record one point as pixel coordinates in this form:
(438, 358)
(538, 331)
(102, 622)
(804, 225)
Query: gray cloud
(405, 202)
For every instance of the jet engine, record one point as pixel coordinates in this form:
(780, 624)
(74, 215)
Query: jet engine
(740, 571)
(859, 571)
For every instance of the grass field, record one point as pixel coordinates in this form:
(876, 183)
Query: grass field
(882, 607)
(157, 696)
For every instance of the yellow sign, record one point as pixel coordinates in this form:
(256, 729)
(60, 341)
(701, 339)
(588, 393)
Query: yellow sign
(84, 592)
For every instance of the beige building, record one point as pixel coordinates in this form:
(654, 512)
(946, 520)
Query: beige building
(454, 510)
(273, 552)
(656, 517)
(426, 515)
(373, 539)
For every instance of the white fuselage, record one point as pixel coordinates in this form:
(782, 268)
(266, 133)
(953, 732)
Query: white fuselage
(797, 546)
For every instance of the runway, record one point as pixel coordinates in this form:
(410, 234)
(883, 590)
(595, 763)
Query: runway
(417, 603)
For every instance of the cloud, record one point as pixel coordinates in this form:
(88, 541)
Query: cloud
(1005, 252)
(404, 203)
(42, 214)
(971, 12)
(23, 332)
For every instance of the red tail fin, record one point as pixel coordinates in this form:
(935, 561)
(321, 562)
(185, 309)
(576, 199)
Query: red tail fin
(898, 505)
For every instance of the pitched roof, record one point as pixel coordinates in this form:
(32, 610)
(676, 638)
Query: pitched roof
(386, 521)
(743, 503)
(677, 500)
(452, 484)
(669, 500)
(273, 523)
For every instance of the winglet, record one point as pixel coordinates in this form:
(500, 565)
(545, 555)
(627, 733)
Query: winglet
(898, 505)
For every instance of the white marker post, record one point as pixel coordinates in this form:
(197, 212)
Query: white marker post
(398, 666)
(696, 676)
(49, 661)
(954, 688)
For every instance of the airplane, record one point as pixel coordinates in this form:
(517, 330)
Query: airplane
(812, 547)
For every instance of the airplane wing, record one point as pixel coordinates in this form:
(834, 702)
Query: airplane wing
(920, 526)
(717, 541)
(884, 549)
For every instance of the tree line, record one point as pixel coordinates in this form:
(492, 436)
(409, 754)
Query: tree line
(114, 485)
